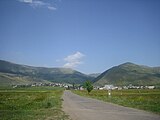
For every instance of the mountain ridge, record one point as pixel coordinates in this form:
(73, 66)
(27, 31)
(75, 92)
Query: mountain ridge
(129, 73)
(123, 74)
(59, 75)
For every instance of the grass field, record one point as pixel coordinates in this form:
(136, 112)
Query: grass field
(34, 103)
(148, 100)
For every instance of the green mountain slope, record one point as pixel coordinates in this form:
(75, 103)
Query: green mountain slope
(129, 73)
(14, 79)
(39, 74)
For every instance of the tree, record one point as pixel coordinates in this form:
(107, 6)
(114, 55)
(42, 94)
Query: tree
(88, 85)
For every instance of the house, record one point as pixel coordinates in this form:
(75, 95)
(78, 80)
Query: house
(101, 88)
(109, 87)
(151, 87)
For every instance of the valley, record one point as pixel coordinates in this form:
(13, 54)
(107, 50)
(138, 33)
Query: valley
(36, 92)
(122, 75)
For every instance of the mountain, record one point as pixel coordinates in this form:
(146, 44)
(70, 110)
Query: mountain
(94, 75)
(14, 79)
(15, 73)
(129, 73)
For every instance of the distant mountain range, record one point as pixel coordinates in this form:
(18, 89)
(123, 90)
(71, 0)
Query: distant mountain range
(11, 73)
(94, 75)
(129, 73)
(124, 74)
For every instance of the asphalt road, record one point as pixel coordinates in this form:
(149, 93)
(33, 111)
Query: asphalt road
(82, 108)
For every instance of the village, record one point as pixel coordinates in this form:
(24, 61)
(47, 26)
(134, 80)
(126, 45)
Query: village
(80, 87)
(130, 86)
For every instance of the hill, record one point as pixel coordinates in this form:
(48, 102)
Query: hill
(14, 79)
(94, 75)
(14, 73)
(129, 73)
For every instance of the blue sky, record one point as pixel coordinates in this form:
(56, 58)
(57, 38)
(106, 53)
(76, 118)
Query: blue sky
(87, 35)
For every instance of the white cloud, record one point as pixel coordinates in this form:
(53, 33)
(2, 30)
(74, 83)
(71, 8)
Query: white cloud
(51, 8)
(38, 3)
(25, 1)
(73, 60)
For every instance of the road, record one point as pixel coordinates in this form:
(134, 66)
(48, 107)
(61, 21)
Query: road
(82, 108)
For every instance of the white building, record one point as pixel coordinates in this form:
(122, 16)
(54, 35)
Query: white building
(151, 87)
(109, 87)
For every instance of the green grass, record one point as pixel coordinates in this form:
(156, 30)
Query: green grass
(148, 100)
(37, 103)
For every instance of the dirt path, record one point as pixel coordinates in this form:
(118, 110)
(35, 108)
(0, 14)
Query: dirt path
(81, 108)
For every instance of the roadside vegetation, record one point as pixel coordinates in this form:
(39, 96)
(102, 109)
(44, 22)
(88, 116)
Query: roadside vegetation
(88, 86)
(33, 103)
(144, 99)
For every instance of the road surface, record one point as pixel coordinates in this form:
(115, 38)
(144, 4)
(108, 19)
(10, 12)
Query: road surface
(82, 108)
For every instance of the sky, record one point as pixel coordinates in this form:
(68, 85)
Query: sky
(90, 36)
